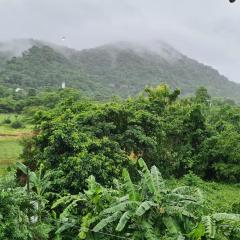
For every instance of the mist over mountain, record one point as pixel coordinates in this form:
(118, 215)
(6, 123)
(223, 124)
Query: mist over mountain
(122, 68)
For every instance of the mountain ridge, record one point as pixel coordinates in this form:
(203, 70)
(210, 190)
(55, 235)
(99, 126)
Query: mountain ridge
(122, 68)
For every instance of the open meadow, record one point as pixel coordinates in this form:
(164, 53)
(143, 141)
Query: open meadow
(10, 140)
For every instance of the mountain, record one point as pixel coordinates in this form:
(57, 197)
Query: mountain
(121, 68)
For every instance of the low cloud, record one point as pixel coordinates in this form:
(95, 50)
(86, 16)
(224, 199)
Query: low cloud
(205, 30)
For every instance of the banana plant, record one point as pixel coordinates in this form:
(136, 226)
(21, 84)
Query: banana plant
(152, 210)
(146, 210)
(218, 226)
(37, 181)
(92, 200)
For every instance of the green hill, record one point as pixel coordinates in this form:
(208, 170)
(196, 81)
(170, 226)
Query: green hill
(121, 69)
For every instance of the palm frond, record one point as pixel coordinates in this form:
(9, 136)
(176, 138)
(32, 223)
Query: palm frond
(129, 185)
(144, 207)
(86, 222)
(210, 226)
(147, 175)
(159, 184)
(104, 222)
(22, 167)
(123, 220)
(67, 199)
(180, 211)
(226, 217)
(121, 207)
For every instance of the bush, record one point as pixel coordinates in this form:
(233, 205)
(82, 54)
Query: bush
(6, 121)
(236, 207)
(191, 179)
(17, 124)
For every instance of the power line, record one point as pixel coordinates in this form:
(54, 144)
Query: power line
(108, 234)
(91, 230)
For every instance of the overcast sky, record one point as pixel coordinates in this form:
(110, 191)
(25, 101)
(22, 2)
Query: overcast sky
(207, 30)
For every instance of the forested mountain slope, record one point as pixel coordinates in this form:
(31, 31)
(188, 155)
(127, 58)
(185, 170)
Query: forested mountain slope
(121, 69)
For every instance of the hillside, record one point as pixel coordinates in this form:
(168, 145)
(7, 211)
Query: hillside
(115, 69)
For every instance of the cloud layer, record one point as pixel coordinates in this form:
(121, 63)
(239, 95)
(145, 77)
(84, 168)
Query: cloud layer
(205, 30)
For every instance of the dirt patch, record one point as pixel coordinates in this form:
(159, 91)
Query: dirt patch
(15, 135)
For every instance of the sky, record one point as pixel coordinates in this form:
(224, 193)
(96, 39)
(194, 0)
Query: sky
(206, 30)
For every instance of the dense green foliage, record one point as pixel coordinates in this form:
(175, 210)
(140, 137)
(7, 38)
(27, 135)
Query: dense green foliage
(121, 69)
(19, 216)
(96, 170)
(176, 135)
(29, 101)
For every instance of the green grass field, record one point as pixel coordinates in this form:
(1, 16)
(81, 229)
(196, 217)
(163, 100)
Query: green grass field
(10, 147)
(219, 196)
(8, 130)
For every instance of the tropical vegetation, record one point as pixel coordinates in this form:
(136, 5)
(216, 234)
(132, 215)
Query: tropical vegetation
(153, 166)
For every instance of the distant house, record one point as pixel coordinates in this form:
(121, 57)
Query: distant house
(18, 90)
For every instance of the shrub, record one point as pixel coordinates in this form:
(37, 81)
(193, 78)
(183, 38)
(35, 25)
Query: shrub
(191, 179)
(6, 121)
(236, 207)
(17, 124)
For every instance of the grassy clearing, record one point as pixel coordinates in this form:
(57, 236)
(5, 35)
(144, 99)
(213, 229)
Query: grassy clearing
(219, 196)
(10, 147)
(222, 196)
(6, 129)
(10, 116)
